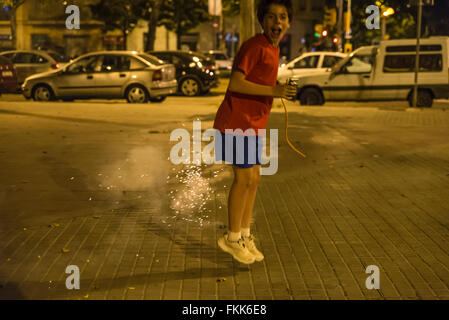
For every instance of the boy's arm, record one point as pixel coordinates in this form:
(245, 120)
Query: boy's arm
(239, 84)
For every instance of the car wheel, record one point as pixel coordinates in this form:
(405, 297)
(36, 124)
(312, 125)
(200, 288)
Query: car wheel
(311, 97)
(190, 87)
(425, 99)
(43, 92)
(136, 94)
(158, 99)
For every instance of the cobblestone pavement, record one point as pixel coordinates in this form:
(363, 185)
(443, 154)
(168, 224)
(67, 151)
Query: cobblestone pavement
(89, 184)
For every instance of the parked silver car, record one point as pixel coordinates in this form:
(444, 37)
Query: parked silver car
(222, 61)
(29, 62)
(137, 77)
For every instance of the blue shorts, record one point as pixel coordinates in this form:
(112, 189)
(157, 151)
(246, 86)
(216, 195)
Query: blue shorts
(241, 151)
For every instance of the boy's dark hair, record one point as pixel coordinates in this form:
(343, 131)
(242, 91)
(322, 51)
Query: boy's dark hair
(264, 5)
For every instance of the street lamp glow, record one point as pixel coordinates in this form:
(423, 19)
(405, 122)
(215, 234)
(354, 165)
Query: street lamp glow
(388, 12)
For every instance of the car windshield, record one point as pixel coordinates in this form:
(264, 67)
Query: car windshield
(216, 55)
(220, 56)
(151, 59)
(58, 57)
(200, 56)
(205, 60)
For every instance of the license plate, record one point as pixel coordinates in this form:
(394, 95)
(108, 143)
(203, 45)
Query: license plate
(6, 73)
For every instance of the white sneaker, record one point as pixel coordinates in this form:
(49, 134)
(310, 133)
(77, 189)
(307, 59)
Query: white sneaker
(237, 249)
(249, 243)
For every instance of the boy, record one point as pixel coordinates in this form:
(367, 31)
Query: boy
(246, 106)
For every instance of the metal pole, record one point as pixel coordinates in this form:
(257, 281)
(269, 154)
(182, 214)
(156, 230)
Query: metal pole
(384, 27)
(348, 38)
(418, 36)
(340, 24)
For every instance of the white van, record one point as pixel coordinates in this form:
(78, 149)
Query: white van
(384, 72)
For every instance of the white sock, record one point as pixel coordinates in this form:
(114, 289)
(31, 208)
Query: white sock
(234, 236)
(245, 232)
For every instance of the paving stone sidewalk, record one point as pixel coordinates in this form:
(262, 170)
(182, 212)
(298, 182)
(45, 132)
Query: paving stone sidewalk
(373, 191)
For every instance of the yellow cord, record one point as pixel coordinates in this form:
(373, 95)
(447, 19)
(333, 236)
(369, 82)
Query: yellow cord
(286, 133)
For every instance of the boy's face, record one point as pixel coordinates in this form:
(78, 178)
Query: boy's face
(276, 23)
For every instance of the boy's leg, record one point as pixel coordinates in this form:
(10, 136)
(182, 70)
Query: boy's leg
(251, 197)
(247, 214)
(232, 243)
(238, 197)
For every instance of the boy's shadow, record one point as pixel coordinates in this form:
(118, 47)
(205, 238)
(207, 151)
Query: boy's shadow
(195, 248)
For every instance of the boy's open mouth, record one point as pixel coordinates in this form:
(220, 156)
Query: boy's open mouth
(276, 31)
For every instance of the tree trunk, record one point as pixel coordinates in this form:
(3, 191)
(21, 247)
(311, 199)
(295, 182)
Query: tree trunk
(178, 38)
(13, 23)
(152, 25)
(247, 28)
(178, 27)
(125, 40)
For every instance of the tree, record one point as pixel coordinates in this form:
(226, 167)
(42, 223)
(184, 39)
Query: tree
(231, 7)
(400, 25)
(12, 6)
(117, 14)
(152, 24)
(247, 17)
(181, 16)
(150, 10)
(435, 19)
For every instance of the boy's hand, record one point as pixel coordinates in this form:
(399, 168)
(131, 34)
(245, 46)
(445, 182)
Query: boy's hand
(238, 83)
(285, 91)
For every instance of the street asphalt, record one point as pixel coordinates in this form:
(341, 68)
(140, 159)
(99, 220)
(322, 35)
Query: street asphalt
(90, 184)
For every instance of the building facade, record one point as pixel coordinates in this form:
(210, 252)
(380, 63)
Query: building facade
(306, 14)
(42, 24)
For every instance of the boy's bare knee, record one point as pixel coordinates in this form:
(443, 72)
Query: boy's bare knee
(242, 176)
(248, 177)
(254, 178)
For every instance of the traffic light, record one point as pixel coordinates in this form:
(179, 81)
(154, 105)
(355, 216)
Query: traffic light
(324, 33)
(318, 30)
(330, 17)
(335, 39)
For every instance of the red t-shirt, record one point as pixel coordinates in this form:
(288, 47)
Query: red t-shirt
(258, 59)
